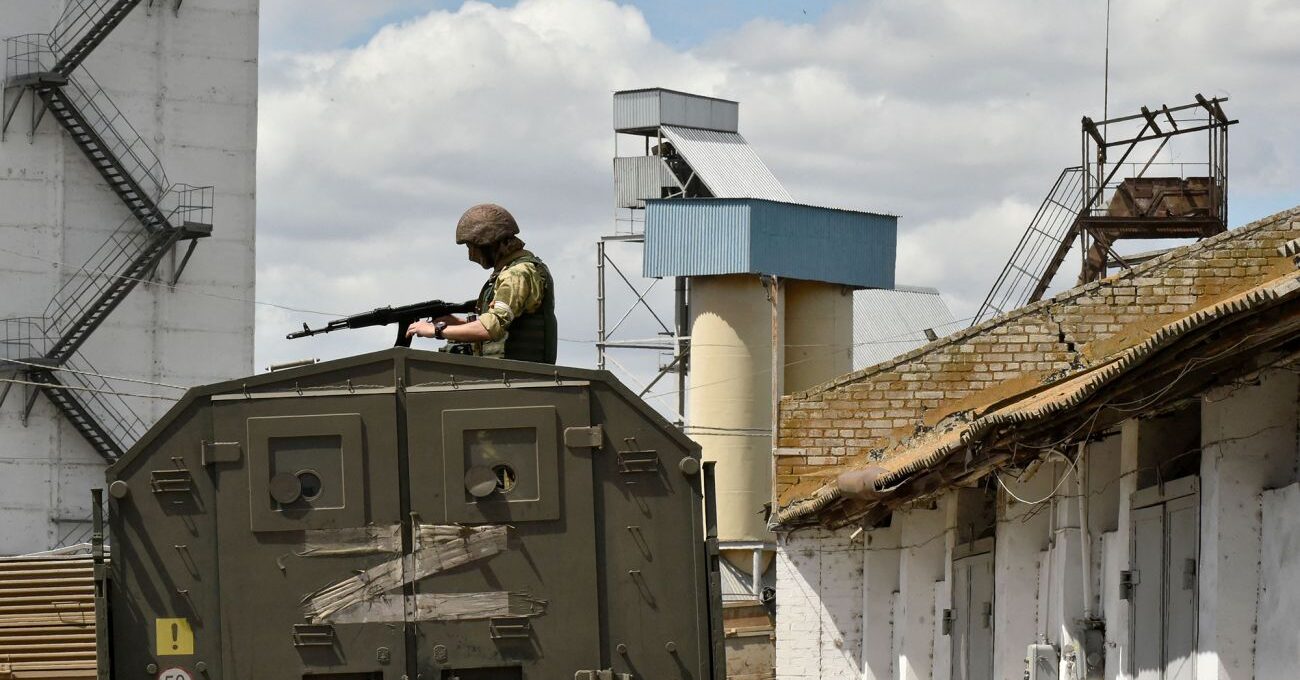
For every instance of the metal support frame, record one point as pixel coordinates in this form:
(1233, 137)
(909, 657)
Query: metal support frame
(675, 338)
(185, 260)
(9, 109)
(1096, 229)
(1076, 211)
(29, 402)
(4, 392)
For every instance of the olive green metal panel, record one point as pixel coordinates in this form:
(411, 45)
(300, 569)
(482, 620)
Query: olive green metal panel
(164, 539)
(266, 564)
(344, 521)
(654, 575)
(543, 497)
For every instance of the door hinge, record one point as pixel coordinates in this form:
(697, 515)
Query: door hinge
(1128, 581)
(584, 437)
(949, 616)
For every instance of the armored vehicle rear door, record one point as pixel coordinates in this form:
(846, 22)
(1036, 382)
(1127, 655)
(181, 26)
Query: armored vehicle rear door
(307, 485)
(492, 459)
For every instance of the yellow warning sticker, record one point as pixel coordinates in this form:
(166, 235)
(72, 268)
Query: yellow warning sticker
(175, 637)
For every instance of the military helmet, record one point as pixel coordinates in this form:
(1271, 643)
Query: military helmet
(485, 224)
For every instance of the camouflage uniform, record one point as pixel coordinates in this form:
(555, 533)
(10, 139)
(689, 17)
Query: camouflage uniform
(516, 306)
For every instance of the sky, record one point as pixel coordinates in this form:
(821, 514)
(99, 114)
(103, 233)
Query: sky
(380, 122)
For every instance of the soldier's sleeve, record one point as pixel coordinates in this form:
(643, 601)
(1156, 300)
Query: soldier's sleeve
(514, 292)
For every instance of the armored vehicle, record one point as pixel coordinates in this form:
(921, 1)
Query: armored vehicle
(412, 514)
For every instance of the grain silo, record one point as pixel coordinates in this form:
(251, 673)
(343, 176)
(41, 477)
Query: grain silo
(764, 291)
(127, 183)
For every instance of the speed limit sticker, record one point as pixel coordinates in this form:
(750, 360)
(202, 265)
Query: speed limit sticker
(175, 674)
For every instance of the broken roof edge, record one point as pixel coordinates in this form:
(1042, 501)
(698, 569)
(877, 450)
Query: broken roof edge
(1069, 391)
(1062, 297)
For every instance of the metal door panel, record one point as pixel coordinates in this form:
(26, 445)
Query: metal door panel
(972, 626)
(355, 445)
(979, 654)
(1146, 622)
(546, 573)
(1182, 529)
(1163, 604)
(960, 626)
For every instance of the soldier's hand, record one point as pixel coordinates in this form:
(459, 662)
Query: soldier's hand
(424, 329)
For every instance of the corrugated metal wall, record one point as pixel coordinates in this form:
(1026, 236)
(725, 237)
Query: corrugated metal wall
(636, 109)
(644, 110)
(683, 239)
(887, 323)
(47, 617)
(823, 244)
(705, 237)
(637, 177)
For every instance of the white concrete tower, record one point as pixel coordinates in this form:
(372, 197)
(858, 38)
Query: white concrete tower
(113, 261)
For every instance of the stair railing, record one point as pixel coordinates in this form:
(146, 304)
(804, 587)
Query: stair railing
(1035, 256)
(79, 20)
(101, 400)
(27, 54)
(120, 137)
(117, 262)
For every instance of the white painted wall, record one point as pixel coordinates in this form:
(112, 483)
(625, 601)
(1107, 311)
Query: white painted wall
(819, 606)
(922, 564)
(879, 588)
(1248, 445)
(1277, 646)
(188, 84)
(1247, 577)
(1022, 535)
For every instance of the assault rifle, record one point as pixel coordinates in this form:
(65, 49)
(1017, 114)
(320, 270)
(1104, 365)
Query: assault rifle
(402, 316)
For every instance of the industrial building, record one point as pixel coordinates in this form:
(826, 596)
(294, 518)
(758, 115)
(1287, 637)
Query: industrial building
(127, 180)
(771, 297)
(1160, 404)
(1102, 484)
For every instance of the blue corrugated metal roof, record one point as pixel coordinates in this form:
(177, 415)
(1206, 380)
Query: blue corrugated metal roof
(711, 236)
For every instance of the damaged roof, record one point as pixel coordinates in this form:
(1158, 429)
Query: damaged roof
(1119, 371)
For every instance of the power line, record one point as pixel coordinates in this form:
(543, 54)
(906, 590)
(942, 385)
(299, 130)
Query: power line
(181, 287)
(90, 373)
(47, 386)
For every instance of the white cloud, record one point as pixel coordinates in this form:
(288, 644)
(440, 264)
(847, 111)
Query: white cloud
(956, 115)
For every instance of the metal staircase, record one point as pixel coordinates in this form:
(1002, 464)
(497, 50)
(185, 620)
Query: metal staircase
(1105, 199)
(44, 350)
(83, 26)
(75, 387)
(1037, 256)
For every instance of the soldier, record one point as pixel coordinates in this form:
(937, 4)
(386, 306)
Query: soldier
(516, 308)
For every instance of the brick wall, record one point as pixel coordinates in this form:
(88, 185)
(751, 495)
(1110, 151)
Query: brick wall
(819, 607)
(860, 416)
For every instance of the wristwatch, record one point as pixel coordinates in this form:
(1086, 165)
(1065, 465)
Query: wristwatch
(438, 328)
